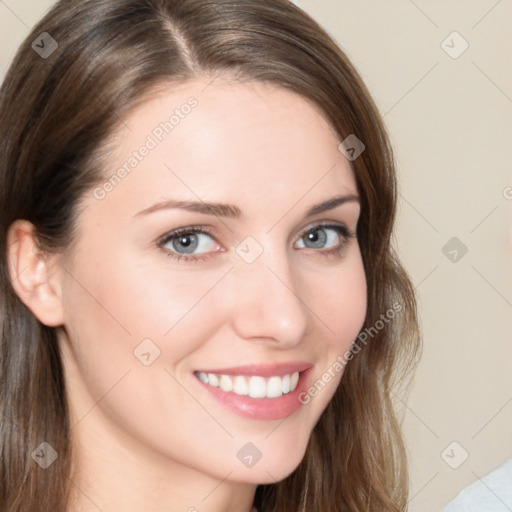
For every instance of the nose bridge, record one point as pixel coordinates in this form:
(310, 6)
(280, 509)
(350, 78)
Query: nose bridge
(267, 303)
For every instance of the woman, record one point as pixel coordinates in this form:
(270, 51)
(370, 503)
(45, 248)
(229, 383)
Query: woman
(201, 309)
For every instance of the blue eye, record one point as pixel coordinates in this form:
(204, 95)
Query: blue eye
(324, 237)
(196, 243)
(185, 241)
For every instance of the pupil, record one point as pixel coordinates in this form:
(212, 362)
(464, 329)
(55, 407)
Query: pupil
(185, 243)
(317, 238)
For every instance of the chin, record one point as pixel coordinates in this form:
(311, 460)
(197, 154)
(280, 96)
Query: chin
(270, 472)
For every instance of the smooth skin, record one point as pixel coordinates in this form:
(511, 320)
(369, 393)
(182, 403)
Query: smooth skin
(150, 437)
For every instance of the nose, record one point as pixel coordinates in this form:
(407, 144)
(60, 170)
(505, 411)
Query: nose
(267, 306)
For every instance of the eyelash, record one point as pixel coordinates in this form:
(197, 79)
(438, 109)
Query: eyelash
(342, 230)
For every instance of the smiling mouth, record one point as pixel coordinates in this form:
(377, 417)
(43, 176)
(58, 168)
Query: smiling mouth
(253, 386)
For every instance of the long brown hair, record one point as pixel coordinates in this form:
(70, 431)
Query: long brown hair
(59, 103)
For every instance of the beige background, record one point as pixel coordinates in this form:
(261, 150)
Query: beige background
(451, 123)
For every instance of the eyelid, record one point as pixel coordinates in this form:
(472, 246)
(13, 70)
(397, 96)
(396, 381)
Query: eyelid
(185, 230)
(195, 229)
(329, 224)
(209, 231)
(340, 227)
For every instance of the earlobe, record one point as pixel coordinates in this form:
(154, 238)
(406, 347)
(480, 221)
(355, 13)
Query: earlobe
(34, 274)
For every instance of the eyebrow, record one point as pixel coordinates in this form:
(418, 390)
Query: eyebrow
(234, 212)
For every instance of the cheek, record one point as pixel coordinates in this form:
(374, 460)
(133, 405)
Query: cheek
(130, 303)
(109, 316)
(337, 299)
(120, 316)
(340, 314)
(341, 301)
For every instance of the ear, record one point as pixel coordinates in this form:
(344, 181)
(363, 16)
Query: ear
(34, 274)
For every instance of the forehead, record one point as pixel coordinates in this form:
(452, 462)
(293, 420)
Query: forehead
(254, 144)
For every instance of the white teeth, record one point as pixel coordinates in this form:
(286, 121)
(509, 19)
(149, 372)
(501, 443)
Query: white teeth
(226, 384)
(286, 384)
(240, 386)
(293, 380)
(213, 380)
(274, 387)
(203, 377)
(255, 386)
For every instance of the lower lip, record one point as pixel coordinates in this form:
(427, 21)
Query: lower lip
(266, 409)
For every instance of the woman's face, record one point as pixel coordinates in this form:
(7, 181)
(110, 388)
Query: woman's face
(259, 286)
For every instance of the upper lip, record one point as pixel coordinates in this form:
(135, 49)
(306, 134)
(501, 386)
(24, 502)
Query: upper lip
(262, 370)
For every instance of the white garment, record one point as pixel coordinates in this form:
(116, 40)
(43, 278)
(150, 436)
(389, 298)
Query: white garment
(493, 493)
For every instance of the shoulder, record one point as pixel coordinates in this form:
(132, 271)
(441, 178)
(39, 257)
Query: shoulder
(492, 493)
